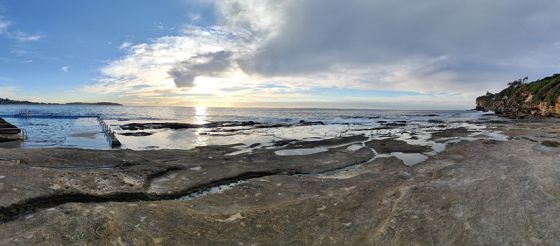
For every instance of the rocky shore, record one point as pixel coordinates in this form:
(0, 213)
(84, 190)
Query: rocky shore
(477, 191)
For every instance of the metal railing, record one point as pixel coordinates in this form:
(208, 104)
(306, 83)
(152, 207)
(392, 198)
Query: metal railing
(24, 113)
(23, 134)
(109, 133)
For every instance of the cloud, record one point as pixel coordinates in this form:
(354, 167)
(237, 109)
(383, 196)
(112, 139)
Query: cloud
(17, 35)
(4, 24)
(64, 69)
(125, 45)
(24, 37)
(159, 64)
(194, 17)
(454, 49)
(214, 64)
(321, 36)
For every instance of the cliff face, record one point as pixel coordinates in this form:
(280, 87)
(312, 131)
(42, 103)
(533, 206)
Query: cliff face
(536, 99)
(485, 103)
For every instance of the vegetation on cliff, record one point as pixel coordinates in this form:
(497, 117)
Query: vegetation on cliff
(485, 102)
(544, 90)
(521, 99)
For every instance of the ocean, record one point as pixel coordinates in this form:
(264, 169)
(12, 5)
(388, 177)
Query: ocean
(48, 132)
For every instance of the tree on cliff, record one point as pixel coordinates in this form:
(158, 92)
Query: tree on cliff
(518, 82)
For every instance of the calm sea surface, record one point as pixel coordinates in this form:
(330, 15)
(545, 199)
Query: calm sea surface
(194, 115)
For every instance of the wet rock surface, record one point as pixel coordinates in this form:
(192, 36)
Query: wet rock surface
(324, 142)
(179, 125)
(552, 144)
(475, 192)
(136, 134)
(451, 133)
(387, 146)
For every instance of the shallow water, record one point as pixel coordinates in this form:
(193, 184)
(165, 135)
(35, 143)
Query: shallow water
(410, 159)
(302, 151)
(86, 132)
(213, 190)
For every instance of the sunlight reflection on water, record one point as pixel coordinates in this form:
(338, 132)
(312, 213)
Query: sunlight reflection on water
(200, 118)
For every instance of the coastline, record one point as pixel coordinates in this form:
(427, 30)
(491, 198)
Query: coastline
(342, 195)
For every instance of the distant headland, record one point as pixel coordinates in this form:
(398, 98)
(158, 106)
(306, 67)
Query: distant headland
(4, 101)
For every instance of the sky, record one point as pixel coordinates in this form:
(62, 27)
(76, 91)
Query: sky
(398, 54)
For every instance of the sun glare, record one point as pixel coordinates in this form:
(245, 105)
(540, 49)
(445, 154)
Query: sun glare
(200, 114)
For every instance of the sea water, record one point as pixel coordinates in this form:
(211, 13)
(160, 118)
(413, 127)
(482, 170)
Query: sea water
(86, 132)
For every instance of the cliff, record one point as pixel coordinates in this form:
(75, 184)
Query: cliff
(540, 98)
(485, 103)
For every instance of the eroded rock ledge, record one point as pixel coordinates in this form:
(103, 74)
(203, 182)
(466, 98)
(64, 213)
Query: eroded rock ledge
(34, 179)
(475, 192)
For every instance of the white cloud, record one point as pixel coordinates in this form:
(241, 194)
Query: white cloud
(4, 24)
(194, 17)
(149, 65)
(24, 37)
(452, 49)
(17, 35)
(64, 69)
(125, 45)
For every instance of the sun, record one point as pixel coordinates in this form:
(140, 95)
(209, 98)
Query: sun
(204, 85)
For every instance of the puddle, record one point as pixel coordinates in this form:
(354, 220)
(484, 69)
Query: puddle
(213, 190)
(85, 167)
(355, 147)
(410, 159)
(303, 151)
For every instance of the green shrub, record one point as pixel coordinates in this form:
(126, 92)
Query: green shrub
(544, 90)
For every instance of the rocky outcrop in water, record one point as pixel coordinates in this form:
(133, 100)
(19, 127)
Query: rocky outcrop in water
(521, 100)
(179, 125)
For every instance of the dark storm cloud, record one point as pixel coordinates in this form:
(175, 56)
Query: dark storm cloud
(210, 64)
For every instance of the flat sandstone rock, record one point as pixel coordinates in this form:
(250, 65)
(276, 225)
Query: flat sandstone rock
(473, 193)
